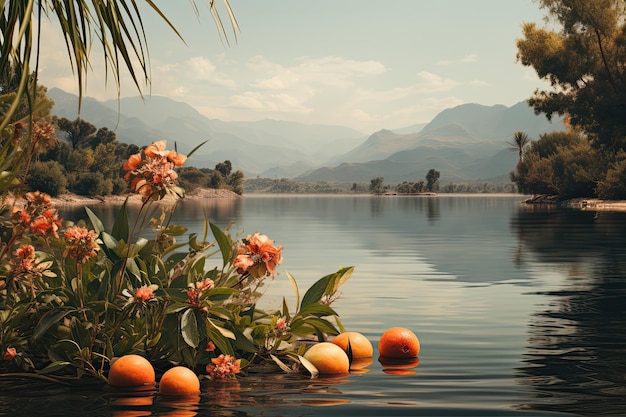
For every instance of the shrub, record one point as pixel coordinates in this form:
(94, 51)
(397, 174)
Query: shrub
(47, 177)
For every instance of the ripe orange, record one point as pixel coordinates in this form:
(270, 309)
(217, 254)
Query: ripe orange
(360, 346)
(131, 371)
(398, 342)
(328, 358)
(179, 380)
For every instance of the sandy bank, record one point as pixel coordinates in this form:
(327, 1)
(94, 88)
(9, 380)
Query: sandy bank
(207, 193)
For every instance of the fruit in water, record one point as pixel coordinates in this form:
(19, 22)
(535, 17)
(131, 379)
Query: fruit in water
(328, 358)
(360, 346)
(398, 342)
(179, 380)
(131, 371)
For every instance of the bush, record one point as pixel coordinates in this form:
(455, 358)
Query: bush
(92, 184)
(47, 177)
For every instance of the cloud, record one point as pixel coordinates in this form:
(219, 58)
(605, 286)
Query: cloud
(469, 58)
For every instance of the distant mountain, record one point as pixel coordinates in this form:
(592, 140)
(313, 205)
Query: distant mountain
(465, 143)
(254, 147)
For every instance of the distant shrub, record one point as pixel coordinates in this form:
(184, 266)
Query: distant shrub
(47, 177)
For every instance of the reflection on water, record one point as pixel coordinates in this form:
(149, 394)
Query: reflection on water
(520, 311)
(577, 338)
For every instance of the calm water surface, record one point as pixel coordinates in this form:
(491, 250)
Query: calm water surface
(520, 311)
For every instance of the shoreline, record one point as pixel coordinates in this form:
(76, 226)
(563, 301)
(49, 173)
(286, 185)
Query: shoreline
(205, 193)
(582, 204)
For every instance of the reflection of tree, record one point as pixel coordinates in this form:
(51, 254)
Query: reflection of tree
(576, 343)
(434, 211)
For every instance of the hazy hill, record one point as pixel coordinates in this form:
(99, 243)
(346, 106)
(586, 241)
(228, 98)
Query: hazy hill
(465, 143)
(255, 147)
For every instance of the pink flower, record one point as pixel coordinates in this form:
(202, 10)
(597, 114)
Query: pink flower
(224, 366)
(9, 354)
(281, 324)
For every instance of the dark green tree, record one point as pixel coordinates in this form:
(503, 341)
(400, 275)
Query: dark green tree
(78, 132)
(432, 180)
(48, 177)
(585, 62)
(376, 185)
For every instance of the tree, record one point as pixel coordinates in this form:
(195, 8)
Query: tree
(376, 185)
(79, 132)
(519, 144)
(585, 63)
(560, 163)
(432, 180)
(47, 177)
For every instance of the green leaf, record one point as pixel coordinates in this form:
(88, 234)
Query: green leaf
(53, 367)
(223, 331)
(189, 328)
(318, 310)
(315, 293)
(120, 227)
(223, 241)
(309, 366)
(294, 284)
(48, 320)
(222, 343)
(97, 224)
(285, 308)
(281, 364)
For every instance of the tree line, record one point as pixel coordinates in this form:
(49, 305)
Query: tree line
(584, 61)
(77, 157)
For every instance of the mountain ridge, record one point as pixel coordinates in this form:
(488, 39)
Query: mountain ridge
(465, 143)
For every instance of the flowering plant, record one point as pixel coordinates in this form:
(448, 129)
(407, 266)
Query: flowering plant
(75, 295)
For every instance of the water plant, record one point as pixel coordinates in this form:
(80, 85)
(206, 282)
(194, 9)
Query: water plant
(76, 295)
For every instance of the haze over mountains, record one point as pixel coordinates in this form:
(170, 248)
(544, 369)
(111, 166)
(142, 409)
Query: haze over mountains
(466, 143)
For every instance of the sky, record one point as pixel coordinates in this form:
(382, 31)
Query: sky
(364, 64)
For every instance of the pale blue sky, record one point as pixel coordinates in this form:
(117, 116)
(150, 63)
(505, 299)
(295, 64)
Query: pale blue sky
(360, 63)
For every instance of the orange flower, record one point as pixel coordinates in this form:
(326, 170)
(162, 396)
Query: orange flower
(145, 292)
(258, 256)
(156, 149)
(176, 158)
(81, 243)
(25, 252)
(9, 354)
(224, 366)
(132, 164)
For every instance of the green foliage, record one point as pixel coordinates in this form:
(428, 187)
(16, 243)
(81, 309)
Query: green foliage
(376, 185)
(47, 177)
(584, 63)
(74, 296)
(432, 180)
(560, 163)
(613, 187)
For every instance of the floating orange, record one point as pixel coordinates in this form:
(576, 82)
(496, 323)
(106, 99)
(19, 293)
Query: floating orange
(398, 342)
(179, 380)
(131, 371)
(328, 358)
(360, 346)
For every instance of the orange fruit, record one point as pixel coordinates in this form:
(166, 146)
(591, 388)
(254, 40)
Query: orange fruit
(131, 371)
(398, 342)
(328, 358)
(179, 380)
(360, 346)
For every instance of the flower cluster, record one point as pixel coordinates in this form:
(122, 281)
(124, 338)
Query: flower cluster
(9, 354)
(195, 290)
(224, 366)
(81, 243)
(151, 173)
(146, 293)
(257, 256)
(37, 215)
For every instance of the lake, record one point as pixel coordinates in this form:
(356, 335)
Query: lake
(520, 310)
